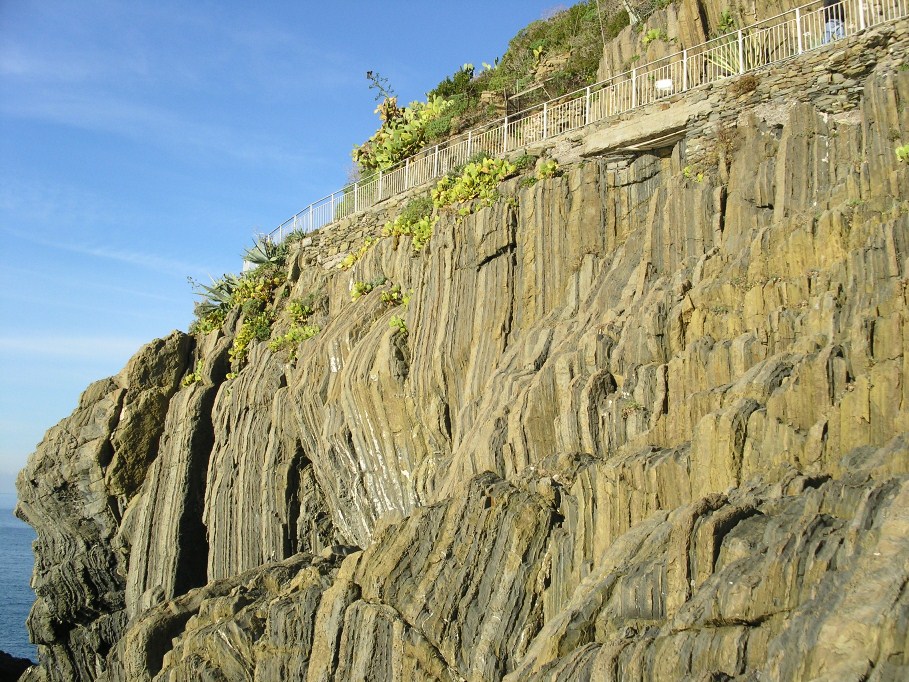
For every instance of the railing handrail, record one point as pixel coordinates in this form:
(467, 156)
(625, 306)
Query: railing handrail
(804, 16)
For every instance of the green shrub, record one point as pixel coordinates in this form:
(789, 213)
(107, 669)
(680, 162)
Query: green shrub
(420, 231)
(727, 24)
(418, 207)
(294, 236)
(455, 171)
(460, 90)
(575, 31)
(459, 83)
(902, 153)
(524, 162)
(614, 25)
(441, 128)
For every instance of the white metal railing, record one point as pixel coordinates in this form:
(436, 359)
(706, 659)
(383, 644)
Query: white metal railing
(766, 42)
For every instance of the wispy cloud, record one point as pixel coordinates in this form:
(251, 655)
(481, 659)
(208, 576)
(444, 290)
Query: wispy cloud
(108, 113)
(146, 260)
(106, 76)
(96, 307)
(52, 277)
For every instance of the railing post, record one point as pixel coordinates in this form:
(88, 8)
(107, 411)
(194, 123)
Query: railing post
(861, 9)
(469, 140)
(310, 212)
(587, 106)
(505, 136)
(684, 70)
(407, 173)
(545, 118)
(379, 190)
(798, 28)
(435, 165)
(356, 197)
(741, 52)
(634, 87)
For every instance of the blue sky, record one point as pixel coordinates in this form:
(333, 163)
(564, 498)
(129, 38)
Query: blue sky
(143, 142)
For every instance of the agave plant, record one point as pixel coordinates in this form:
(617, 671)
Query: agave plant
(265, 252)
(217, 296)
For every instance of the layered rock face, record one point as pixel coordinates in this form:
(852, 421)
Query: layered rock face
(650, 421)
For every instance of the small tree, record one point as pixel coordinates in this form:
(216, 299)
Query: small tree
(380, 84)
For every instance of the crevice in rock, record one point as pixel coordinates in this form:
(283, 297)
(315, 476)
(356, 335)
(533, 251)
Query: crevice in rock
(401, 356)
(292, 501)
(722, 202)
(162, 640)
(501, 251)
(725, 526)
(192, 556)
(446, 420)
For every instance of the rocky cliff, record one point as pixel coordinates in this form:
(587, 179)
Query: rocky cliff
(649, 420)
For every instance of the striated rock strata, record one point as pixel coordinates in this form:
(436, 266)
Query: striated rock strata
(650, 421)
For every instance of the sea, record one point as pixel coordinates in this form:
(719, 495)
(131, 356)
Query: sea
(16, 596)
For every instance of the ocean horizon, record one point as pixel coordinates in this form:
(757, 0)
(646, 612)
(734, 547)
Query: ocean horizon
(16, 563)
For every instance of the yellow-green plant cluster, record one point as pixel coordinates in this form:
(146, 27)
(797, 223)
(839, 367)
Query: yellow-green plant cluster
(298, 312)
(415, 221)
(256, 288)
(654, 34)
(208, 322)
(351, 258)
(548, 169)
(362, 288)
(478, 181)
(397, 322)
(254, 328)
(294, 337)
(420, 230)
(195, 376)
(396, 296)
(253, 293)
(902, 153)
